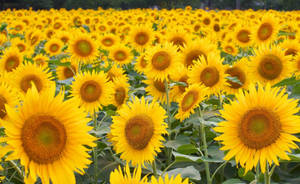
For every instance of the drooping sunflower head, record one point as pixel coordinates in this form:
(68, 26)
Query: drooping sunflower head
(270, 65)
(162, 61)
(11, 60)
(190, 100)
(209, 72)
(118, 176)
(91, 90)
(49, 135)
(28, 74)
(258, 127)
(137, 131)
(83, 48)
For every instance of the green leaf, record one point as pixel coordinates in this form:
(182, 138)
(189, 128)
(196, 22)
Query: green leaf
(233, 181)
(249, 176)
(293, 158)
(3, 26)
(187, 149)
(234, 79)
(187, 172)
(288, 82)
(186, 158)
(177, 83)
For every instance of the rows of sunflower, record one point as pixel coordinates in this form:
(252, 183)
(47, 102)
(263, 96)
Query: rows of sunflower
(149, 96)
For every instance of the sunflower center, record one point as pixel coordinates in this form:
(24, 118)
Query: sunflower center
(43, 138)
(238, 73)
(183, 79)
(107, 42)
(217, 28)
(243, 36)
(120, 95)
(290, 51)
(27, 81)
(189, 100)
(68, 72)
(270, 67)
(264, 31)
(40, 61)
(259, 128)
(206, 21)
(90, 91)
(139, 130)
(54, 47)
(21, 47)
(141, 38)
(11, 63)
(64, 39)
(229, 49)
(192, 56)
(2, 107)
(83, 48)
(178, 41)
(159, 86)
(143, 62)
(161, 60)
(210, 76)
(120, 55)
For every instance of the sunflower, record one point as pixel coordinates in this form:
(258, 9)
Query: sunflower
(141, 64)
(190, 100)
(8, 96)
(209, 73)
(162, 61)
(137, 131)
(121, 54)
(64, 36)
(91, 90)
(157, 90)
(292, 47)
(270, 65)
(83, 48)
(41, 60)
(108, 40)
(195, 49)
(297, 65)
(141, 36)
(178, 37)
(266, 31)
(177, 180)
(29, 73)
(258, 127)
(120, 94)
(116, 72)
(242, 35)
(230, 48)
(53, 46)
(240, 71)
(124, 177)
(48, 135)
(180, 76)
(21, 45)
(11, 60)
(66, 72)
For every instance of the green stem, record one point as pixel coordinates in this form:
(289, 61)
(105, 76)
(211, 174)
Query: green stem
(257, 173)
(267, 175)
(169, 150)
(154, 169)
(216, 171)
(203, 138)
(95, 149)
(165, 170)
(17, 168)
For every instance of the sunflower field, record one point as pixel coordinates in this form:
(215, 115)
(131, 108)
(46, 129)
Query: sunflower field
(146, 96)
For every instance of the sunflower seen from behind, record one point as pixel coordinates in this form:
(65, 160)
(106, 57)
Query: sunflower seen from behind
(49, 135)
(137, 131)
(258, 127)
(91, 90)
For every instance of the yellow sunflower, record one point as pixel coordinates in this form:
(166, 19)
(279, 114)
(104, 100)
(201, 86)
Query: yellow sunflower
(108, 40)
(162, 61)
(242, 35)
(29, 73)
(177, 180)
(230, 48)
(120, 91)
(292, 47)
(240, 71)
(49, 135)
(41, 60)
(120, 54)
(83, 48)
(141, 64)
(137, 131)
(53, 46)
(180, 76)
(91, 90)
(21, 45)
(270, 65)
(8, 96)
(124, 177)
(258, 127)
(66, 72)
(209, 73)
(157, 90)
(116, 72)
(190, 100)
(141, 36)
(11, 59)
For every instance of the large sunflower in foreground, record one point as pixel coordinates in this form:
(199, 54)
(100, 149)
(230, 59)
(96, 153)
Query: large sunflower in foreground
(173, 180)
(270, 65)
(49, 135)
(137, 131)
(190, 100)
(162, 61)
(124, 177)
(259, 127)
(83, 48)
(91, 90)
